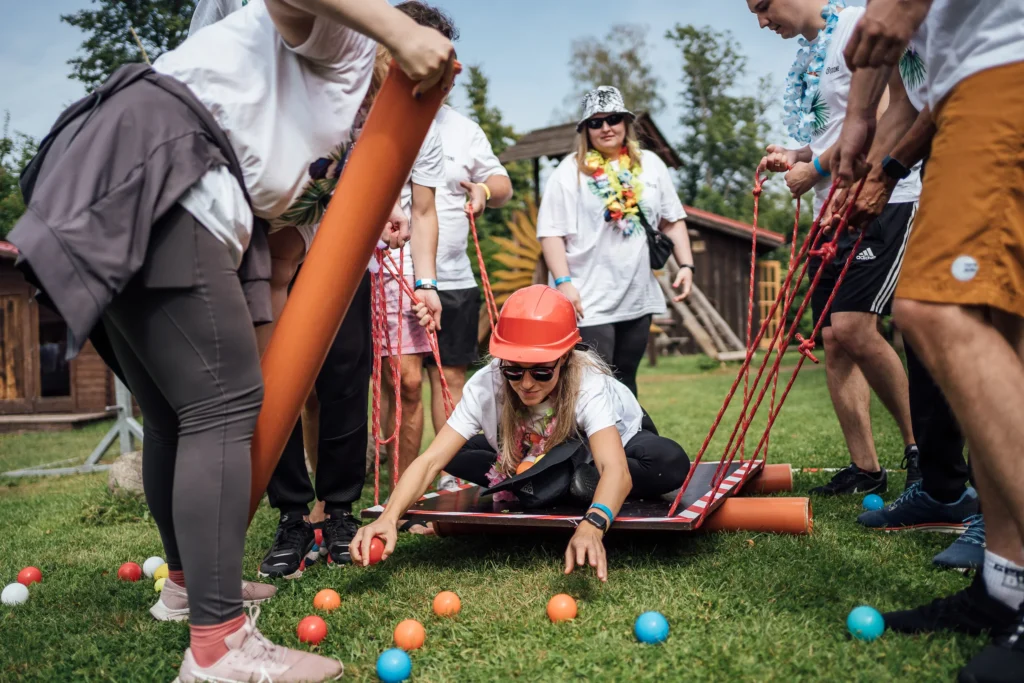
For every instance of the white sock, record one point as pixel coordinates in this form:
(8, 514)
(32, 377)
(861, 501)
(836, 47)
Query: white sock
(1004, 580)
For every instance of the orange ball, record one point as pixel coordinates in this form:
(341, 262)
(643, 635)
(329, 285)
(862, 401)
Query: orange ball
(524, 465)
(312, 630)
(561, 608)
(376, 550)
(410, 634)
(327, 600)
(447, 604)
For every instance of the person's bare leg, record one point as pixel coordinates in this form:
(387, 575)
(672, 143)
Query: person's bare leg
(981, 374)
(858, 334)
(311, 442)
(411, 434)
(456, 379)
(286, 251)
(851, 398)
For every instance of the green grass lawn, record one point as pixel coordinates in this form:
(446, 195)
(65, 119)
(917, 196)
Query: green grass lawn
(741, 606)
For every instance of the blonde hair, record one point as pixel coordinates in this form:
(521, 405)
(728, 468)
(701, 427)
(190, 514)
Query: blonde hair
(566, 391)
(583, 146)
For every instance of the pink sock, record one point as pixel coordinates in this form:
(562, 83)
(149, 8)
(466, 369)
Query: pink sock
(208, 641)
(176, 576)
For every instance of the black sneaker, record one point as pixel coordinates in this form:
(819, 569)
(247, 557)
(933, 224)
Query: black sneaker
(912, 464)
(968, 551)
(851, 480)
(292, 551)
(915, 510)
(970, 611)
(339, 530)
(1002, 660)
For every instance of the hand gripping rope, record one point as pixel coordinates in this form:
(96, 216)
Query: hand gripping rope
(812, 247)
(382, 339)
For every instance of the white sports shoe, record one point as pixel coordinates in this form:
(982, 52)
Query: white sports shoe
(173, 602)
(251, 658)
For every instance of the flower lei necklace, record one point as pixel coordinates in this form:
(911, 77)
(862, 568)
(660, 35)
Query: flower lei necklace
(620, 190)
(532, 437)
(805, 76)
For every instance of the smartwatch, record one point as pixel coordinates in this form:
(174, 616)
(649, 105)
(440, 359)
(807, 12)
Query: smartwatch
(597, 520)
(894, 169)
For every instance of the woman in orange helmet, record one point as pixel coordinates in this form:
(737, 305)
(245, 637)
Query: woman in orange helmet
(545, 421)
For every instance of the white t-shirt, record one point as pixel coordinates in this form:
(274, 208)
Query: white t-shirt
(427, 171)
(468, 157)
(964, 37)
(280, 106)
(611, 271)
(603, 401)
(830, 110)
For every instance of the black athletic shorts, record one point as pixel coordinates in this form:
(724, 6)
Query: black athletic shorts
(460, 318)
(871, 281)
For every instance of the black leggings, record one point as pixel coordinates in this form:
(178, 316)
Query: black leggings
(622, 345)
(189, 357)
(656, 464)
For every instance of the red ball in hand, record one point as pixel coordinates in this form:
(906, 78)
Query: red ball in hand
(376, 550)
(30, 575)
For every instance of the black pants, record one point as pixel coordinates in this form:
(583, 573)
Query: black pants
(189, 357)
(622, 345)
(656, 464)
(342, 389)
(943, 468)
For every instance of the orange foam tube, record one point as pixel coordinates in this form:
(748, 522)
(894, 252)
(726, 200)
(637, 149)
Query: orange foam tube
(771, 515)
(367, 190)
(771, 479)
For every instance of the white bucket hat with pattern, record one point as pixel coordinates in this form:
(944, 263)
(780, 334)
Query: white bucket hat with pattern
(603, 100)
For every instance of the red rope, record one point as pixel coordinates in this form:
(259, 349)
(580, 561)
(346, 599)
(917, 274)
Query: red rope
(758, 182)
(785, 297)
(492, 308)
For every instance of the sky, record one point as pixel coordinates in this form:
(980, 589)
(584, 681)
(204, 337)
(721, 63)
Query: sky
(523, 47)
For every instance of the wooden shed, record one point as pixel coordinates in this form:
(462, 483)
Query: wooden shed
(38, 386)
(721, 246)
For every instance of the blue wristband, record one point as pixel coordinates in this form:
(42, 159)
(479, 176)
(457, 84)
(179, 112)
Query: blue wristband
(562, 280)
(605, 509)
(432, 283)
(817, 167)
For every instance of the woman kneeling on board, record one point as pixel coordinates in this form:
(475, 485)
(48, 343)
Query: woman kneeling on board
(556, 426)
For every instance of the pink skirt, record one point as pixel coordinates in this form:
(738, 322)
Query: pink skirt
(414, 336)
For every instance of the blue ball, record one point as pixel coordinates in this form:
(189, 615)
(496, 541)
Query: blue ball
(865, 623)
(873, 501)
(393, 666)
(651, 627)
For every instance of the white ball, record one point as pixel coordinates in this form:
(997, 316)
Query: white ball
(14, 594)
(151, 565)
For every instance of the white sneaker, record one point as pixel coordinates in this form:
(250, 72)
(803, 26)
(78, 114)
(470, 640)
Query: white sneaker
(448, 482)
(173, 602)
(251, 658)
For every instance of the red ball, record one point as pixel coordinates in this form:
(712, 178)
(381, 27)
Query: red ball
(30, 575)
(376, 550)
(312, 630)
(129, 571)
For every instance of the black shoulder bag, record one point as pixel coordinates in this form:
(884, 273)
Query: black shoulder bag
(659, 244)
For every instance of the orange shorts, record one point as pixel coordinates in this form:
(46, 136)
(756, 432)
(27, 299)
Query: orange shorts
(967, 247)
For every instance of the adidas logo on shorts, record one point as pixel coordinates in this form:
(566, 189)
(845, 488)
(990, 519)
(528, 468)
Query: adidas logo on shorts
(866, 255)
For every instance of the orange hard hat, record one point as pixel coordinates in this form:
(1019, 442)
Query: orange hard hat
(537, 324)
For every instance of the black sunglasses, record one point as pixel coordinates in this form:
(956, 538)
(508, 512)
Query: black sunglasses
(613, 120)
(514, 373)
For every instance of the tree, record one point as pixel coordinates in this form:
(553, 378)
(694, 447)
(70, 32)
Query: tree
(161, 25)
(724, 133)
(620, 60)
(501, 136)
(15, 153)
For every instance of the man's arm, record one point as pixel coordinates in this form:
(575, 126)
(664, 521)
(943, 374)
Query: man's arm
(884, 32)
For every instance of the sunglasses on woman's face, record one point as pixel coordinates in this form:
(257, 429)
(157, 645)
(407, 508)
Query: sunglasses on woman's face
(612, 120)
(514, 373)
